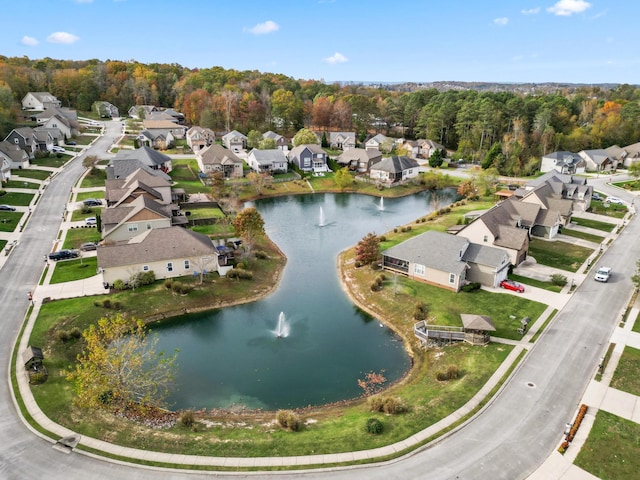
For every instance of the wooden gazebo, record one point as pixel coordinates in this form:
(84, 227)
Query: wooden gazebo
(476, 328)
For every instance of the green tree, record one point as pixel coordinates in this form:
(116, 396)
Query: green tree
(342, 178)
(258, 180)
(119, 366)
(254, 138)
(368, 249)
(486, 180)
(267, 144)
(249, 225)
(324, 143)
(305, 137)
(436, 159)
(634, 170)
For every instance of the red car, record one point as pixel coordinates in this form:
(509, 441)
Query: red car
(511, 285)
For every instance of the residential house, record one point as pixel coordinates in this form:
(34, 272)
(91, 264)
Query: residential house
(63, 124)
(572, 189)
(309, 158)
(44, 140)
(268, 161)
(56, 134)
(141, 111)
(158, 140)
(563, 162)
(234, 141)
(394, 169)
(124, 221)
(340, 140)
(359, 159)
(69, 114)
(199, 137)
(5, 169)
(123, 167)
(178, 117)
(39, 101)
(161, 115)
(165, 126)
(105, 109)
(506, 226)
(24, 138)
(598, 161)
(412, 148)
(119, 191)
(16, 156)
(281, 142)
(168, 252)
(427, 147)
(147, 156)
(376, 142)
(625, 156)
(216, 158)
(554, 210)
(448, 261)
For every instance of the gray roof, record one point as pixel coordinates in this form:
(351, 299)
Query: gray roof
(123, 167)
(114, 216)
(147, 156)
(171, 243)
(216, 154)
(437, 250)
(268, 157)
(359, 154)
(232, 134)
(597, 156)
(485, 255)
(477, 322)
(13, 151)
(396, 164)
(312, 147)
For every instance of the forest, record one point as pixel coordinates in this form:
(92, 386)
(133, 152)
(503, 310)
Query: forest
(506, 130)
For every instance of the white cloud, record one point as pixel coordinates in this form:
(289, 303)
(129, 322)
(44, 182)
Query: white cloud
(62, 37)
(263, 28)
(531, 11)
(567, 8)
(501, 21)
(29, 41)
(336, 58)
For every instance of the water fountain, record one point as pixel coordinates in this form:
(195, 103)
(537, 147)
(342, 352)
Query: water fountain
(381, 206)
(282, 330)
(322, 221)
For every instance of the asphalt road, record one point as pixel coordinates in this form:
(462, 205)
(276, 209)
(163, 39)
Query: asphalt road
(508, 440)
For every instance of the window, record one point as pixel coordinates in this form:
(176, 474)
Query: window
(169, 266)
(485, 238)
(452, 278)
(145, 268)
(418, 269)
(187, 265)
(133, 228)
(148, 226)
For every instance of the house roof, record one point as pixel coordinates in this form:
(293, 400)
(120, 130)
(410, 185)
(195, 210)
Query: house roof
(117, 189)
(112, 217)
(437, 250)
(396, 164)
(358, 154)
(121, 168)
(161, 124)
(55, 133)
(43, 135)
(13, 151)
(312, 147)
(233, 134)
(597, 156)
(268, 157)
(147, 156)
(156, 245)
(43, 97)
(485, 255)
(218, 155)
(24, 132)
(502, 221)
(477, 322)
(30, 353)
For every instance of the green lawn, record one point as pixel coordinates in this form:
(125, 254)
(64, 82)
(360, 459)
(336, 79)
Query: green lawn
(32, 173)
(9, 221)
(185, 173)
(69, 270)
(209, 212)
(17, 199)
(613, 210)
(21, 184)
(636, 324)
(95, 178)
(562, 255)
(583, 235)
(3, 243)
(79, 214)
(95, 194)
(626, 376)
(77, 236)
(536, 283)
(84, 139)
(217, 230)
(52, 160)
(612, 450)
(586, 222)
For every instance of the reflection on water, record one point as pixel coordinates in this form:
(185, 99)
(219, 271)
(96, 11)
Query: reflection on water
(231, 357)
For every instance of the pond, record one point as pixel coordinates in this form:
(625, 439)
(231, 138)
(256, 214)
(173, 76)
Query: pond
(306, 344)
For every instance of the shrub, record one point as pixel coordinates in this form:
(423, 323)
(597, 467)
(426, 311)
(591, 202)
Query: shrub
(147, 278)
(63, 336)
(451, 373)
(382, 238)
(261, 255)
(117, 305)
(375, 287)
(106, 303)
(181, 288)
(187, 418)
(421, 311)
(388, 405)
(168, 283)
(241, 265)
(75, 332)
(119, 285)
(471, 287)
(558, 279)
(373, 426)
(289, 420)
(240, 274)
(358, 264)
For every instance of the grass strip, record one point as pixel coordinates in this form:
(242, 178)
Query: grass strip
(543, 326)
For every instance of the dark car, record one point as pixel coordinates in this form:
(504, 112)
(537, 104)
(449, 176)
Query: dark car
(71, 142)
(596, 196)
(8, 208)
(63, 255)
(85, 247)
(511, 285)
(92, 202)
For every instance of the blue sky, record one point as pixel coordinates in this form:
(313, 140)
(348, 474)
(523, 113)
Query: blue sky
(575, 41)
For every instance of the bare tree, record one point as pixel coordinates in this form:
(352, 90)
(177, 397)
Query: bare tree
(231, 99)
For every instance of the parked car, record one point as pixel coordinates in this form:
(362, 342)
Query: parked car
(92, 202)
(90, 221)
(70, 142)
(614, 200)
(57, 149)
(63, 255)
(596, 196)
(603, 274)
(88, 246)
(7, 208)
(511, 285)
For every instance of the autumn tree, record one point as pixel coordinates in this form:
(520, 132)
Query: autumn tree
(249, 225)
(467, 189)
(119, 366)
(258, 180)
(218, 186)
(368, 250)
(342, 178)
(305, 137)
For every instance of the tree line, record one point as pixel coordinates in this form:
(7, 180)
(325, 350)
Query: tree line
(506, 130)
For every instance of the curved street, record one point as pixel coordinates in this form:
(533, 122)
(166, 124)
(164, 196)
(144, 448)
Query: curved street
(509, 439)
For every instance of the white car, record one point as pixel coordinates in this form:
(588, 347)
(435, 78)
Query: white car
(614, 200)
(90, 221)
(603, 274)
(57, 149)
